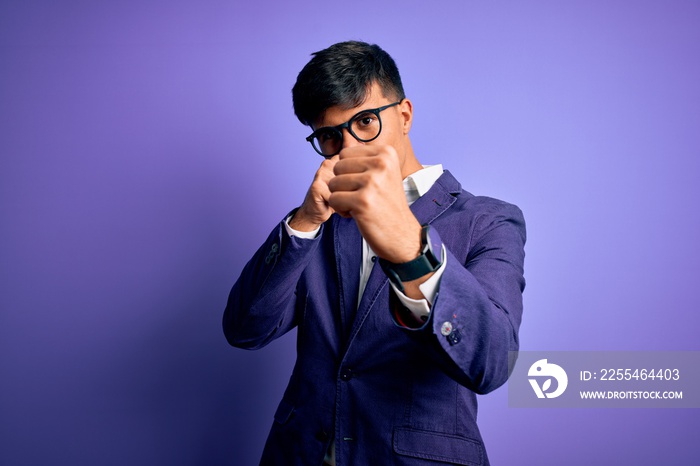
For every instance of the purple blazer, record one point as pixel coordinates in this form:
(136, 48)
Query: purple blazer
(387, 395)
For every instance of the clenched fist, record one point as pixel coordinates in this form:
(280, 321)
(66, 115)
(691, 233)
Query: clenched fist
(368, 187)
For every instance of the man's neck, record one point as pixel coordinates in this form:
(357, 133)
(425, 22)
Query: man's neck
(411, 163)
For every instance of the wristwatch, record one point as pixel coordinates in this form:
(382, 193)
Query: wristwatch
(425, 263)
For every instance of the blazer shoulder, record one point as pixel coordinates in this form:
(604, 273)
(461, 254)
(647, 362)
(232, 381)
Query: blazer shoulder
(480, 207)
(490, 205)
(475, 205)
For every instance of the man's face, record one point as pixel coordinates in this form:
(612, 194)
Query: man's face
(395, 122)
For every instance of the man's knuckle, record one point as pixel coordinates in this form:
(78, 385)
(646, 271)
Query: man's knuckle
(363, 199)
(382, 162)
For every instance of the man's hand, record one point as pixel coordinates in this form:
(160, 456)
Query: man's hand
(315, 210)
(368, 187)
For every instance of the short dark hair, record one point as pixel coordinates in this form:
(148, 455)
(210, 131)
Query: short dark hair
(341, 75)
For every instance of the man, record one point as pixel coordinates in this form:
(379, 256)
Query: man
(391, 352)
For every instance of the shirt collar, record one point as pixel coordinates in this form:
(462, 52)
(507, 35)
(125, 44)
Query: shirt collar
(418, 183)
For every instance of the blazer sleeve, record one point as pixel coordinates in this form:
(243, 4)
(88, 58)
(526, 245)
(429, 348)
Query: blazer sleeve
(262, 302)
(478, 308)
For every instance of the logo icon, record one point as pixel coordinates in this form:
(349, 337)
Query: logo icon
(543, 369)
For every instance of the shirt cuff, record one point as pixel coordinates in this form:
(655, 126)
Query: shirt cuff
(420, 308)
(300, 234)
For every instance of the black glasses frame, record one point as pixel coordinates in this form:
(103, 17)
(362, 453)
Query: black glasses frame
(348, 124)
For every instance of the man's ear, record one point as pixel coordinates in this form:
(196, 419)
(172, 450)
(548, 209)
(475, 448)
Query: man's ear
(406, 109)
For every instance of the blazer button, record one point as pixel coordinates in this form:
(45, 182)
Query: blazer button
(446, 328)
(346, 375)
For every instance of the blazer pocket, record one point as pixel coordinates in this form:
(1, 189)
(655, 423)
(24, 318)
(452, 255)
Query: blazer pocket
(284, 412)
(438, 446)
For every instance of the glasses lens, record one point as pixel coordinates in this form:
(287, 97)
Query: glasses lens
(366, 126)
(328, 141)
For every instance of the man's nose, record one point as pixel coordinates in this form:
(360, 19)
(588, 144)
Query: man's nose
(349, 140)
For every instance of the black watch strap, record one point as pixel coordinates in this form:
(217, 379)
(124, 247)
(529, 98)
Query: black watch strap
(425, 263)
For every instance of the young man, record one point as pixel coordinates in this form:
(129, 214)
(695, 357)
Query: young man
(406, 289)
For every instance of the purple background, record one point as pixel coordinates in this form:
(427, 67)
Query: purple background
(147, 148)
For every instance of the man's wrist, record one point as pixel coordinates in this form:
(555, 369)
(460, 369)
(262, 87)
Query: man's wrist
(408, 249)
(416, 270)
(300, 222)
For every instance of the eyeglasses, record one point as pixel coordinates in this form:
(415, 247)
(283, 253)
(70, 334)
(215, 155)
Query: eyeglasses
(365, 126)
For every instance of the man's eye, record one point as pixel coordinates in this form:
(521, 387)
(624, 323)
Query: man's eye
(327, 136)
(365, 120)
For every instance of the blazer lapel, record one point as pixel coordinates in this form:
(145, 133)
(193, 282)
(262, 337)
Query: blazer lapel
(437, 200)
(348, 253)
